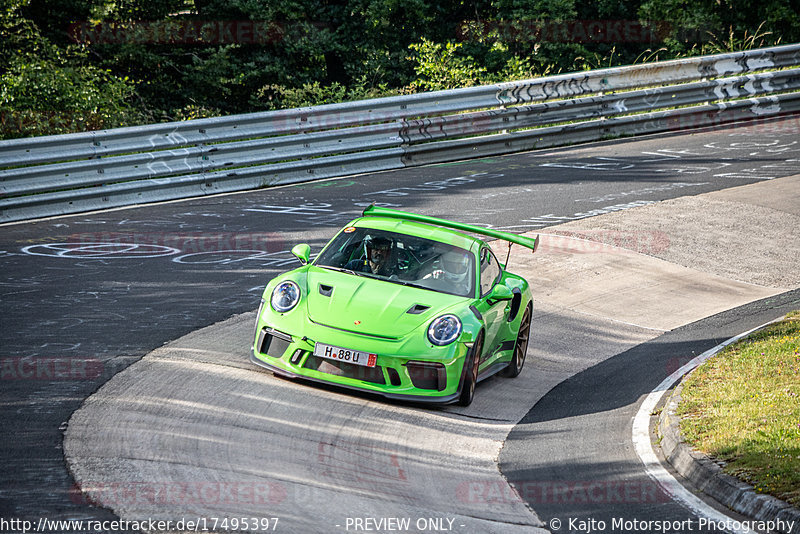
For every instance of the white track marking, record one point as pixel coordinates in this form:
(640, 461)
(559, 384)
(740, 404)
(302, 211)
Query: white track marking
(644, 447)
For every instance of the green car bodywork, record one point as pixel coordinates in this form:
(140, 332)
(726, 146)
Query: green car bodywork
(386, 323)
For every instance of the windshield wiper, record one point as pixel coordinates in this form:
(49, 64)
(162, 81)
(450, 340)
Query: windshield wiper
(340, 270)
(411, 284)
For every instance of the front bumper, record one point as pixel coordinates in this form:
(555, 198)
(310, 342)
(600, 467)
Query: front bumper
(438, 400)
(409, 370)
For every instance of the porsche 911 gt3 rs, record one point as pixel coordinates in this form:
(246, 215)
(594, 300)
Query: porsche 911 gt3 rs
(400, 304)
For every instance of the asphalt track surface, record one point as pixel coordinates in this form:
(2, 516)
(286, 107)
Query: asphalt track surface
(93, 293)
(587, 473)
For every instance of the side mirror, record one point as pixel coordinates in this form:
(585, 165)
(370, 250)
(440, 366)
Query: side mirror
(500, 292)
(302, 252)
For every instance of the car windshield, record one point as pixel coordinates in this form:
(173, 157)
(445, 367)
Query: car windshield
(402, 259)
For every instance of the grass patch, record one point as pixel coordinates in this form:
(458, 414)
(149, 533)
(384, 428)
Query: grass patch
(743, 406)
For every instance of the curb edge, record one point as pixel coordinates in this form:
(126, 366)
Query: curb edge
(707, 476)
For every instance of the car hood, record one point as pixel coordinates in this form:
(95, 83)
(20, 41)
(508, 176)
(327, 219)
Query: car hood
(368, 306)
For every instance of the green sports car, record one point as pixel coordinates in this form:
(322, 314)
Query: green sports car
(398, 304)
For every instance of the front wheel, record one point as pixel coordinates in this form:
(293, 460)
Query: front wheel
(520, 347)
(472, 360)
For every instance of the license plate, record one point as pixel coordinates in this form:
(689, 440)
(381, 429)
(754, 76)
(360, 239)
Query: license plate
(345, 355)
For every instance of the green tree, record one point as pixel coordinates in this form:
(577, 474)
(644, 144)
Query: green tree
(440, 66)
(45, 88)
(711, 25)
(145, 60)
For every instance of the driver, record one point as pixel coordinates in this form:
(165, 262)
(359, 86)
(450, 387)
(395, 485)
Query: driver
(453, 271)
(378, 249)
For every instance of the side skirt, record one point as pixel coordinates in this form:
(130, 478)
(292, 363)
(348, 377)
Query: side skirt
(492, 370)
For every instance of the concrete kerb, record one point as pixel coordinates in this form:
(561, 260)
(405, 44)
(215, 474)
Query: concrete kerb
(708, 476)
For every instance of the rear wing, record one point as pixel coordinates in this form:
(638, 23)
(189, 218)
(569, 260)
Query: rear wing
(375, 211)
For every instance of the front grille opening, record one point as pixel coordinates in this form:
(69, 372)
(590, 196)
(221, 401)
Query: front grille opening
(427, 375)
(394, 376)
(273, 343)
(373, 375)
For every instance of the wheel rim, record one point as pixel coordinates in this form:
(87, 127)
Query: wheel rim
(521, 348)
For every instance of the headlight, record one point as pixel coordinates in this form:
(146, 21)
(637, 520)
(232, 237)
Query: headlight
(444, 330)
(285, 296)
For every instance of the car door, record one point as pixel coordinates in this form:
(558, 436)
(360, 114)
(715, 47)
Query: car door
(493, 313)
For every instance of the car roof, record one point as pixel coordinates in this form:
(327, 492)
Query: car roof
(416, 229)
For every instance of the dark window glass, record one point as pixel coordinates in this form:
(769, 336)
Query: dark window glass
(402, 259)
(490, 271)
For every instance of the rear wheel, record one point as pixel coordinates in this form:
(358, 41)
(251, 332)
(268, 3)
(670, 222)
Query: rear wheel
(520, 347)
(471, 373)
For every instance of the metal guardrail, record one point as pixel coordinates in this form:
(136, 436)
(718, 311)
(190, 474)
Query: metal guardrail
(62, 174)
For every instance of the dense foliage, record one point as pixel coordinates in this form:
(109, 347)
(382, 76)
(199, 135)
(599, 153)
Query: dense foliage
(71, 65)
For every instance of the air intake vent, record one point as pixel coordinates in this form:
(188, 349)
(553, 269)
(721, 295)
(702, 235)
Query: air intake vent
(416, 309)
(325, 291)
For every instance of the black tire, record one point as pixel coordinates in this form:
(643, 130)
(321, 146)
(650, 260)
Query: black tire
(520, 347)
(471, 373)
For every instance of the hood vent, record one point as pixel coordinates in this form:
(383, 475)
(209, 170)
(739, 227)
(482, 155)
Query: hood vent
(325, 291)
(416, 309)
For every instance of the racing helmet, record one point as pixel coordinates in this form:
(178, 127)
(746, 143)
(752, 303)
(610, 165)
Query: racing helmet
(455, 265)
(377, 248)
